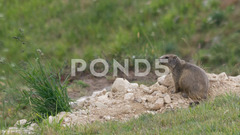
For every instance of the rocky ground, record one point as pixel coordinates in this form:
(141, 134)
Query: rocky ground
(128, 100)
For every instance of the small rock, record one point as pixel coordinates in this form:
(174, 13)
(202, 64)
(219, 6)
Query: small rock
(104, 91)
(129, 90)
(73, 105)
(151, 112)
(107, 117)
(67, 119)
(155, 87)
(97, 93)
(80, 101)
(149, 98)
(166, 81)
(133, 86)
(32, 126)
(129, 96)
(103, 98)
(144, 99)
(212, 77)
(13, 128)
(120, 85)
(51, 119)
(83, 112)
(159, 94)
(139, 100)
(223, 76)
(235, 78)
(157, 105)
(100, 105)
(61, 115)
(163, 89)
(109, 94)
(20, 123)
(146, 89)
(167, 99)
(161, 79)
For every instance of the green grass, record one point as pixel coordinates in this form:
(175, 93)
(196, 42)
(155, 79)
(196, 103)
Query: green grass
(109, 29)
(213, 117)
(46, 92)
(81, 83)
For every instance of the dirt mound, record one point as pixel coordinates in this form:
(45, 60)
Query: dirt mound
(127, 100)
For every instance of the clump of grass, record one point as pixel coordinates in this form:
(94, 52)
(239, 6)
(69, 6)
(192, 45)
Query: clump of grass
(47, 95)
(81, 84)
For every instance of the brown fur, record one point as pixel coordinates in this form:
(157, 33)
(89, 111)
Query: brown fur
(189, 79)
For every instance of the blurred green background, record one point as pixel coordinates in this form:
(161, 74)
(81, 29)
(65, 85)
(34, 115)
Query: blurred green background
(205, 31)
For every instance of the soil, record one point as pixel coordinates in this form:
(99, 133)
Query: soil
(99, 83)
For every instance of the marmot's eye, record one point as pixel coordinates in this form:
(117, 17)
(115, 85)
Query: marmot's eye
(166, 57)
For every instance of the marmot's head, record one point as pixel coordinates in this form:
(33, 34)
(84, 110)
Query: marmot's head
(169, 60)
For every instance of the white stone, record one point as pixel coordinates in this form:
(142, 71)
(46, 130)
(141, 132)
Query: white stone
(129, 96)
(120, 85)
(61, 115)
(33, 126)
(107, 117)
(235, 78)
(157, 105)
(139, 100)
(83, 112)
(223, 76)
(20, 122)
(133, 86)
(161, 79)
(80, 101)
(143, 99)
(51, 119)
(97, 93)
(155, 87)
(146, 89)
(13, 128)
(150, 98)
(151, 112)
(163, 89)
(100, 105)
(73, 105)
(129, 90)
(167, 99)
(212, 77)
(67, 119)
(159, 94)
(109, 94)
(103, 98)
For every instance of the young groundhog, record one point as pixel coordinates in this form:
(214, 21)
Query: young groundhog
(189, 79)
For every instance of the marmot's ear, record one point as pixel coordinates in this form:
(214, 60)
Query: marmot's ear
(175, 56)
